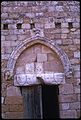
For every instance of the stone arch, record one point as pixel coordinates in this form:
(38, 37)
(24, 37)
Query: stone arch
(42, 40)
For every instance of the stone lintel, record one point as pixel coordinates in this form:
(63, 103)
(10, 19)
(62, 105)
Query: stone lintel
(31, 79)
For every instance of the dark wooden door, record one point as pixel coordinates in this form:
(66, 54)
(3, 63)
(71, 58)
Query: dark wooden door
(32, 102)
(40, 101)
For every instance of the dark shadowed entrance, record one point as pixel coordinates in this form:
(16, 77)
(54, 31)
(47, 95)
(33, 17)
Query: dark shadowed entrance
(41, 101)
(50, 101)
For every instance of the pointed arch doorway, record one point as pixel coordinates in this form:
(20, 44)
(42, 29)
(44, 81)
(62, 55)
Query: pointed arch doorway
(41, 101)
(38, 57)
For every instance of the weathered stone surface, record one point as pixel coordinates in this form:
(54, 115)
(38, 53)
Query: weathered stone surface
(29, 68)
(65, 106)
(77, 74)
(75, 105)
(77, 89)
(4, 15)
(74, 61)
(65, 30)
(26, 26)
(16, 108)
(41, 57)
(45, 15)
(2, 37)
(68, 98)
(64, 36)
(68, 114)
(48, 78)
(45, 49)
(66, 89)
(20, 70)
(77, 54)
(59, 42)
(39, 68)
(64, 25)
(12, 100)
(13, 91)
(14, 115)
(11, 37)
(76, 41)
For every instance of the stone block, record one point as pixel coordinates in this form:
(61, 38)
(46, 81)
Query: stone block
(74, 61)
(29, 68)
(49, 25)
(77, 54)
(57, 36)
(20, 70)
(5, 56)
(11, 37)
(59, 8)
(39, 14)
(50, 56)
(30, 15)
(54, 65)
(13, 91)
(77, 74)
(51, 9)
(46, 50)
(14, 100)
(22, 37)
(76, 25)
(77, 89)
(74, 105)
(8, 49)
(4, 15)
(2, 37)
(25, 79)
(78, 113)
(26, 26)
(65, 106)
(37, 48)
(79, 97)
(65, 30)
(41, 57)
(38, 67)
(63, 36)
(66, 89)
(14, 115)
(76, 41)
(12, 26)
(72, 47)
(68, 98)
(76, 67)
(27, 58)
(16, 108)
(68, 114)
(59, 42)
(64, 25)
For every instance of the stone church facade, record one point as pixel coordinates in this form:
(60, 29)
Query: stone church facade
(40, 44)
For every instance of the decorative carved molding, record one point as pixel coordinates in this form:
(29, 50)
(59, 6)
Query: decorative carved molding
(31, 79)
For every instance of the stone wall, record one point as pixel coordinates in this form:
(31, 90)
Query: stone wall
(59, 21)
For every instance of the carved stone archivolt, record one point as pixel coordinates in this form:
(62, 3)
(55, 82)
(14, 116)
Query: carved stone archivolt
(41, 40)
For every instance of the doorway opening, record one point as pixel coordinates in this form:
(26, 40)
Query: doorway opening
(50, 101)
(41, 101)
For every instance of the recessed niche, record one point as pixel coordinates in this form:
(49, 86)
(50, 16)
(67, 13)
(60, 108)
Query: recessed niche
(5, 26)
